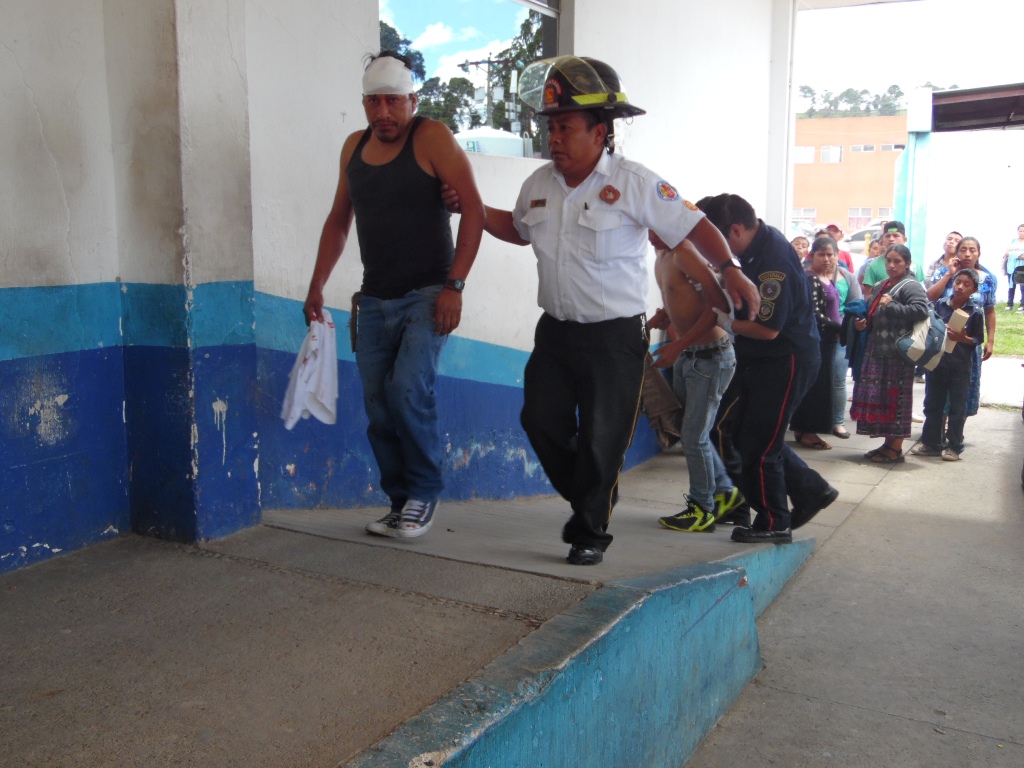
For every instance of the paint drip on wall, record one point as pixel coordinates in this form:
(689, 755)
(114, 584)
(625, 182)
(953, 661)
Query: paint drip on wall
(220, 418)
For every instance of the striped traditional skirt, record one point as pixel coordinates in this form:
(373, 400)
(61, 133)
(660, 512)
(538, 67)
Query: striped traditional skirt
(883, 396)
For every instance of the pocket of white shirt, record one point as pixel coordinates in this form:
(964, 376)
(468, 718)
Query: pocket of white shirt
(605, 226)
(600, 221)
(535, 216)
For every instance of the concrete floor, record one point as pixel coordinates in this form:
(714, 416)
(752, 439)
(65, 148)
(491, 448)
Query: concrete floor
(901, 642)
(302, 647)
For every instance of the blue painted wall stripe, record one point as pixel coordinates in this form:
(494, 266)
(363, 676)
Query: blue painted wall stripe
(280, 327)
(50, 320)
(154, 315)
(223, 314)
(83, 317)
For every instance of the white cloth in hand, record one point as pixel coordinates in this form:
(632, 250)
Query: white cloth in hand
(313, 382)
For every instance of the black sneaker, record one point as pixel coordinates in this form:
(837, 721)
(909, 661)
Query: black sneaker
(584, 556)
(801, 517)
(739, 516)
(417, 517)
(694, 518)
(387, 525)
(758, 536)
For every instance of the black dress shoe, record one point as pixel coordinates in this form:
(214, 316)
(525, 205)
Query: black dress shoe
(584, 556)
(758, 536)
(801, 517)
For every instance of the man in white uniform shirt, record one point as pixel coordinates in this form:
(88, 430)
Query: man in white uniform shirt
(587, 214)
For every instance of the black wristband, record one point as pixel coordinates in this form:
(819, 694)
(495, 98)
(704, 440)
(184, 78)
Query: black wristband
(726, 265)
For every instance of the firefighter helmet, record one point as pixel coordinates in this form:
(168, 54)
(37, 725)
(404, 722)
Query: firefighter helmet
(572, 84)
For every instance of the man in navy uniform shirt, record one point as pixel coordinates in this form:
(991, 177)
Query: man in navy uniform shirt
(777, 359)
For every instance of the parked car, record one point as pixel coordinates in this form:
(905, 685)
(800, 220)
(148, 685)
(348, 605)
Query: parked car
(859, 240)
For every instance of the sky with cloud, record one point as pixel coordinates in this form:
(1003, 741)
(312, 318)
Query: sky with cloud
(449, 32)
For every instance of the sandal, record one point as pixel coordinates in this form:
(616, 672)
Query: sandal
(841, 433)
(805, 439)
(885, 455)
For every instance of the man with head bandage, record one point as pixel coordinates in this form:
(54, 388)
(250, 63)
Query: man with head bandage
(413, 277)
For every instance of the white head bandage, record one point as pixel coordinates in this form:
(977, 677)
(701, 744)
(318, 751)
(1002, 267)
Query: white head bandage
(387, 76)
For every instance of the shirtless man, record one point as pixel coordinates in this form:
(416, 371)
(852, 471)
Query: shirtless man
(703, 362)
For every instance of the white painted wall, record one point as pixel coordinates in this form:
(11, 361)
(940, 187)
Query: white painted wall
(142, 78)
(57, 203)
(974, 187)
(214, 119)
(702, 72)
(305, 62)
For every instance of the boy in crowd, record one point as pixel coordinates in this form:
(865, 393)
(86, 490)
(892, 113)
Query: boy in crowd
(951, 379)
(703, 362)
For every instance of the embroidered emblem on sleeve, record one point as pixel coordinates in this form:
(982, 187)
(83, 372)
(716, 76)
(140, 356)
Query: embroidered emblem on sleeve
(771, 289)
(610, 194)
(539, 203)
(780, 276)
(667, 192)
(690, 205)
(766, 310)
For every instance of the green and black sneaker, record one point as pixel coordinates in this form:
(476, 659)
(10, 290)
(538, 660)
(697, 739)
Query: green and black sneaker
(693, 519)
(728, 501)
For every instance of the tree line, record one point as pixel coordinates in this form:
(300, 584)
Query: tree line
(857, 102)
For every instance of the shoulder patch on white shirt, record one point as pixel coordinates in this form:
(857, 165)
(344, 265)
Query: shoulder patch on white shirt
(667, 192)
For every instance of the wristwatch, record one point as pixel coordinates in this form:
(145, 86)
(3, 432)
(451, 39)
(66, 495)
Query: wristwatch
(455, 285)
(730, 263)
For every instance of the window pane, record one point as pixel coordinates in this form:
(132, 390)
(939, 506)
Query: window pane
(831, 154)
(469, 83)
(803, 155)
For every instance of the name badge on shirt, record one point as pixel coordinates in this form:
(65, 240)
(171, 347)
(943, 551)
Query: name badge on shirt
(539, 203)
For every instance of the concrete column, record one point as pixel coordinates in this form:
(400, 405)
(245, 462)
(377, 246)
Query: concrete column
(217, 252)
(779, 193)
(176, 73)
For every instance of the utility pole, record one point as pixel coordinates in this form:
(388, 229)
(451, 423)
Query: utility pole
(489, 93)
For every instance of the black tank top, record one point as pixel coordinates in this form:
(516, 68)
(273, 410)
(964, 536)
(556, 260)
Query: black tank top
(405, 238)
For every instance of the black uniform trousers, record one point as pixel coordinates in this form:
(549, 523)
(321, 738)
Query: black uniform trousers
(581, 393)
(749, 434)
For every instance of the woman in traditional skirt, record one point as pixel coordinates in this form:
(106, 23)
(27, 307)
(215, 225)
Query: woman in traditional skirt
(883, 396)
(815, 412)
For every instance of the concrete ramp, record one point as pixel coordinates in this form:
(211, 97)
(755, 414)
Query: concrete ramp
(635, 674)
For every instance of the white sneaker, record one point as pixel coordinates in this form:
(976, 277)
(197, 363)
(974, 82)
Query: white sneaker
(417, 517)
(948, 454)
(917, 418)
(387, 525)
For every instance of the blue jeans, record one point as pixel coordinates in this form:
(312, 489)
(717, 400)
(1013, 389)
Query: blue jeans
(839, 386)
(699, 385)
(397, 352)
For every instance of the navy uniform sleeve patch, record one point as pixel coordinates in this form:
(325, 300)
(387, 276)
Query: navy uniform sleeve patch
(771, 289)
(765, 311)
